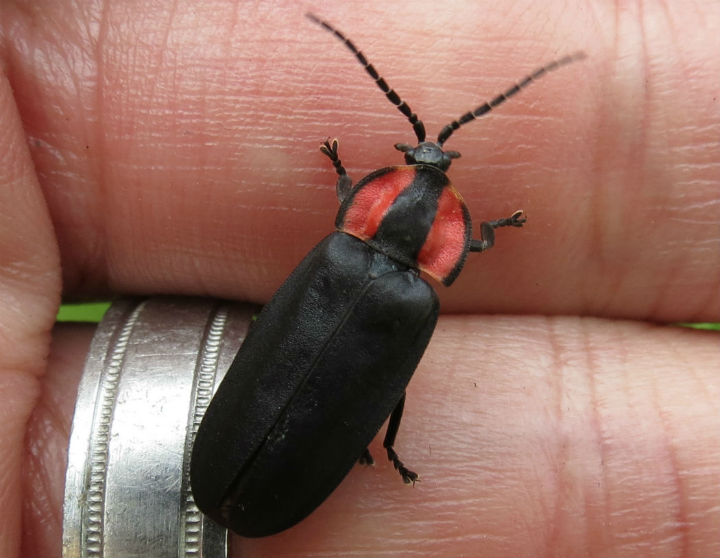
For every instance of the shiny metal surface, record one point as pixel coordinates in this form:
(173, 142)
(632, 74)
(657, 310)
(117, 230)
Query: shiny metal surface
(151, 371)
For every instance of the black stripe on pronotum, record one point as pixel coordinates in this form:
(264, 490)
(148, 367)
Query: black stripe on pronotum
(330, 356)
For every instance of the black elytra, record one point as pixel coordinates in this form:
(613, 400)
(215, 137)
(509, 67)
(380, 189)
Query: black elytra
(329, 357)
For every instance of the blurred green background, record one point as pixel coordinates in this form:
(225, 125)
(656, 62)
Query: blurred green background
(83, 312)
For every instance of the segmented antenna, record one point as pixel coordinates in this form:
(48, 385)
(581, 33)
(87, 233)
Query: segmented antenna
(394, 98)
(483, 109)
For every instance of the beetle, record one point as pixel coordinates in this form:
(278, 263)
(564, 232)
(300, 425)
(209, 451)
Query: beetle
(329, 357)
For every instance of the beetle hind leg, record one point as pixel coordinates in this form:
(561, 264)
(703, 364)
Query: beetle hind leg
(392, 430)
(344, 183)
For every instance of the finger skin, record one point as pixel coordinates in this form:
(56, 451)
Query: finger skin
(29, 296)
(178, 147)
(532, 436)
(47, 438)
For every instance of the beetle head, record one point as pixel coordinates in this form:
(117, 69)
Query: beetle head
(427, 153)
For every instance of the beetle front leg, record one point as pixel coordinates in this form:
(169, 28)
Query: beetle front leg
(344, 183)
(392, 430)
(487, 230)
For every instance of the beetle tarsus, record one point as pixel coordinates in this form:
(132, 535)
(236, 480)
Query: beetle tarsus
(392, 431)
(408, 476)
(517, 219)
(344, 183)
(366, 458)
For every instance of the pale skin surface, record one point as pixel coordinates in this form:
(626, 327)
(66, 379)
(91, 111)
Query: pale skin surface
(175, 150)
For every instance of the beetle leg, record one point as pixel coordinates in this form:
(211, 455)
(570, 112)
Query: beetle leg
(392, 430)
(366, 458)
(344, 183)
(487, 230)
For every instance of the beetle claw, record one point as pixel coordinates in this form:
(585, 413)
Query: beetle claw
(407, 475)
(518, 218)
(330, 148)
(366, 458)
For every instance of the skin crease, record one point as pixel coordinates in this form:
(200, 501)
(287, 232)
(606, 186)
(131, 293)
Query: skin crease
(173, 148)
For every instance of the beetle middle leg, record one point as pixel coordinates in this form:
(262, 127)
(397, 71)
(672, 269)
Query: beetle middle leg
(487, 230)
(392, 430)
(344, 183)
(366, 458)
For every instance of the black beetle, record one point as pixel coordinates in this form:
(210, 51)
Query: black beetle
(330, 356)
